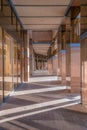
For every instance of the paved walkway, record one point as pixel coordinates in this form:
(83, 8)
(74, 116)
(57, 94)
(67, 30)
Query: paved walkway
(43, 106)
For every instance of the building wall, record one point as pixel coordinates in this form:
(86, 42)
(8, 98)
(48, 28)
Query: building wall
(9, 64)
(11, 53)
(1, 67)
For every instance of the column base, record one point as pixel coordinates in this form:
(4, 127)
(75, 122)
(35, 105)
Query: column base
(84, 96)
(63, 82)
(75, 89)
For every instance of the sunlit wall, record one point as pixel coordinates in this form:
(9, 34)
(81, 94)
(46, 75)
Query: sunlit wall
(10, 64)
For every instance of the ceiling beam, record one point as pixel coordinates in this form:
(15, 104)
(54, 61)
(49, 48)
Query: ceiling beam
(40, 24)
(42, 42)
(15, 12)
(44, 29)
(40, 16)
(40, 5)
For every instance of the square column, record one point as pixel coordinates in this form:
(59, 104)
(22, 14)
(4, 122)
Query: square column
(84, 51)
(68, 65)
(75, 67)
(59, 64)
(63, 67)
(26, 58)
(84, 70)
(34, 64)
(50, 66)
(38, 65)
(37, 62)
(22, 64)
(30, 58)
(75, 50)
(55, 64)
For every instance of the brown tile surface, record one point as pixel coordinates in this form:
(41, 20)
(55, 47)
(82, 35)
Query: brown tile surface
(41, 117)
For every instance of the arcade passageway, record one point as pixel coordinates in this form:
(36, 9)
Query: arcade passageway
(43, 105)
(43, 64)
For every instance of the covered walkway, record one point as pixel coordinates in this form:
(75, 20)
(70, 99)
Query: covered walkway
(43, 65)
(43, 105)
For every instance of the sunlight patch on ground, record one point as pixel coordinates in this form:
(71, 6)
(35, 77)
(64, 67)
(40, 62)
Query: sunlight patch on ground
(38, 105)
(41, 79)
(37, 112)
(40, 90)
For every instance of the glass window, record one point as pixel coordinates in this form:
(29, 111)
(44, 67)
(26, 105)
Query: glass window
(19, 63)
(14, 21)
(1, 68)
(8, 64)
(0, 4)
(6, 8)
(23, 62)
(15, 64)
(18, 28)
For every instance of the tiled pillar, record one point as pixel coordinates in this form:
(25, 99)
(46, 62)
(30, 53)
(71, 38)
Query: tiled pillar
(68, 65)
(84, 70)
(75, 50)
(75, 67)
(63, 66)
(63, 54)
(26, 56)
(55, 64)
(33, 62)
(50, 66)
(30, 57)
(59, 63)
(22, 65)
(43, 64)
(84, 51)
(38, 65)
(37, 62)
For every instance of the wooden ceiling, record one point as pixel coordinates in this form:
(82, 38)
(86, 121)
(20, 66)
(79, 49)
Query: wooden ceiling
(41, 15)
(41, 48)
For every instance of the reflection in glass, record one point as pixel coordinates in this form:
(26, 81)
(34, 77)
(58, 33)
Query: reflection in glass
(15, 64)
(19, 62)
(8, 62)
(83, 16)
(0, 4)
(22, 62)
(1, 68)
